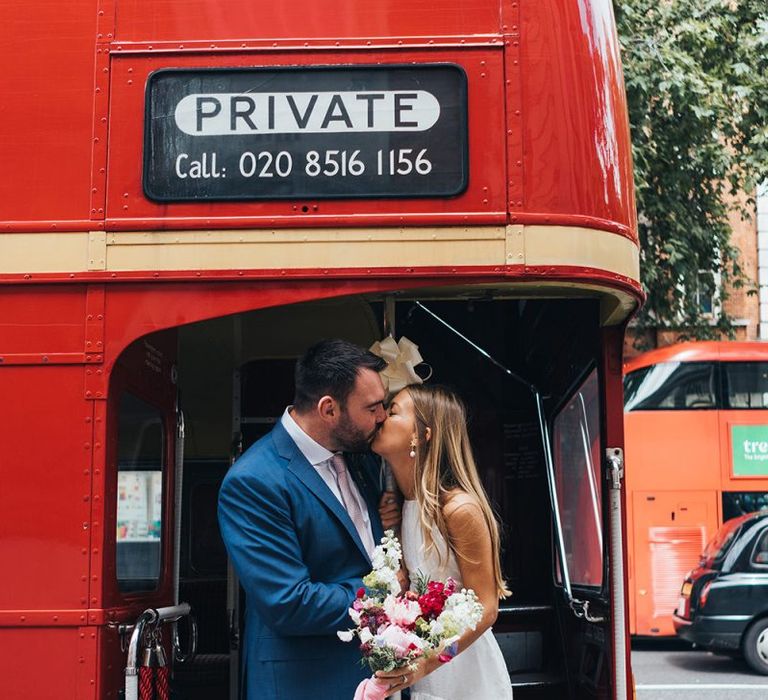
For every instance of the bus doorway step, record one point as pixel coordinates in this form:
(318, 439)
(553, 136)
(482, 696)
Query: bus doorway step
(204, 677)
(539, 686)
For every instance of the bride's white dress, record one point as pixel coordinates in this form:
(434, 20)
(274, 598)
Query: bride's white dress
(478, 672)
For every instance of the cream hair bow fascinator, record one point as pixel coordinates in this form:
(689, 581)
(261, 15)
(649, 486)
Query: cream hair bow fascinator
(401, 357)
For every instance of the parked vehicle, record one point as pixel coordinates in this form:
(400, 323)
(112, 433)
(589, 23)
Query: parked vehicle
(723, 603)
(706, 406)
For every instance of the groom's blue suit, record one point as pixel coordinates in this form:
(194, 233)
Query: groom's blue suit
(300, 561)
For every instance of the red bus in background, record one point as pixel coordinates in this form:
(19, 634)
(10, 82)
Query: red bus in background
(194, 192)
(697, 455)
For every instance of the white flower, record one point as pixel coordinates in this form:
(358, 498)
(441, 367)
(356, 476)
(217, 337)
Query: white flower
(462, 611)
(355, 615)
(345, 635)
(383, 580)
(378, 560)
(386, 563)
(365, 635)
(388, 554)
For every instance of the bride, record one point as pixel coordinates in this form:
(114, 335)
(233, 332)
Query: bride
(448, 529)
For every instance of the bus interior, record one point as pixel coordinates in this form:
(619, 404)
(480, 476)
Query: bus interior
(234, 379)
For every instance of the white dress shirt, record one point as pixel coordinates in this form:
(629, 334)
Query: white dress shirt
(320, 458)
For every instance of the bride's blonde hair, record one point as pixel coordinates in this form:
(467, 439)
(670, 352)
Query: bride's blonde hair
(445, 462)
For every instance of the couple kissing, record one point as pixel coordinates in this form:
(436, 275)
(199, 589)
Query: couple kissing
(301, 512)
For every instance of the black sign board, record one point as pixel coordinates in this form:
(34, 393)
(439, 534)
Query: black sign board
(306, 133)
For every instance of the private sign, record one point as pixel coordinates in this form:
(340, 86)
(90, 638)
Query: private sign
(317, 132)
(315, 112)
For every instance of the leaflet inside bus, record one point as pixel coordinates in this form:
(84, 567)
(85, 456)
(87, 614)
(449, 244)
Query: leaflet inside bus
(306, 133)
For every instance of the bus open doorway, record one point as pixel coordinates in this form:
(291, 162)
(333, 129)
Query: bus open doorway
(235, 378)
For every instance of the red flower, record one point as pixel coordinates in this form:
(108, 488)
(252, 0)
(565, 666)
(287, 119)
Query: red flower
(435, 587)
(360, 592)
(433, 601)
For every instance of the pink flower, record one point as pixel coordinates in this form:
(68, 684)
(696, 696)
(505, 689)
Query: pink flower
(401, 611)
(400, 640)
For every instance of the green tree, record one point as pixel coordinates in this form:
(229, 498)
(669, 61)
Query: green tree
(696, 74)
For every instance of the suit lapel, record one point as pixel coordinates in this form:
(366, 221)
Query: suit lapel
(307, 474)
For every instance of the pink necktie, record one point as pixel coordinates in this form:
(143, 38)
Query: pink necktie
(351, 503)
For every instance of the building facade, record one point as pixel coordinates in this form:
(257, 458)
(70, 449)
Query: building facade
(746, 305)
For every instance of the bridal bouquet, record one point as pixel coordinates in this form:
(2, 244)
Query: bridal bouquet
(395, 630)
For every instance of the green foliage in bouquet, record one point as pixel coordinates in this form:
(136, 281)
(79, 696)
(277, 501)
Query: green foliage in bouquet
(381, 659)
(420, 582)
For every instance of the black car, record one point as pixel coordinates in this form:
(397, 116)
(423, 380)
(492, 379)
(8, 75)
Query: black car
(723, 603)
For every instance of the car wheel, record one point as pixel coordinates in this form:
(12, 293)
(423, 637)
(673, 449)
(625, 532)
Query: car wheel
(756, 646)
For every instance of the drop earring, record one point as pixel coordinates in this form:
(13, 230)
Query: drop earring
(412, 453)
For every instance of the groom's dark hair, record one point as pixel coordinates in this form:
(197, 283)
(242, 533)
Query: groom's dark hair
(330, 368)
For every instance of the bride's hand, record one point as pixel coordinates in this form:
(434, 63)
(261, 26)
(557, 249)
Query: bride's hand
(389, 510)
(401, 678)
(403, 580)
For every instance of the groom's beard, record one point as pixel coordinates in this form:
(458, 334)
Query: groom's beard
(350, 438)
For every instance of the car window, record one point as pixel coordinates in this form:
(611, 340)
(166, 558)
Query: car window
(760, 552)
(719, 545)
(671, 386)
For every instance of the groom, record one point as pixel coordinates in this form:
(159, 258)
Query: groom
(300, 522)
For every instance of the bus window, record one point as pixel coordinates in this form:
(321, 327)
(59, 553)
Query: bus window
(736, 503)
(139, 494)
(576, 442)
(671, 386)
(746, 384)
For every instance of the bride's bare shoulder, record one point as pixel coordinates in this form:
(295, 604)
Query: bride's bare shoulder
(459, 504)
(465, 523)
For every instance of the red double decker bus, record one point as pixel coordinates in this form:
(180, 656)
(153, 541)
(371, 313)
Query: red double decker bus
(191, 194)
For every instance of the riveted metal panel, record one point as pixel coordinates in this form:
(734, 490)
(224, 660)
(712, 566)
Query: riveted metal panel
(190, 20)
(47, 439)
(484, 200)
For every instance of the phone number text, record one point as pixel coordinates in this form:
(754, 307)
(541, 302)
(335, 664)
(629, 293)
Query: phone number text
(323, 164)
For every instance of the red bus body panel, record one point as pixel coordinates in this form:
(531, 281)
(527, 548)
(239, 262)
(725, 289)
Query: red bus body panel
(549, 72)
